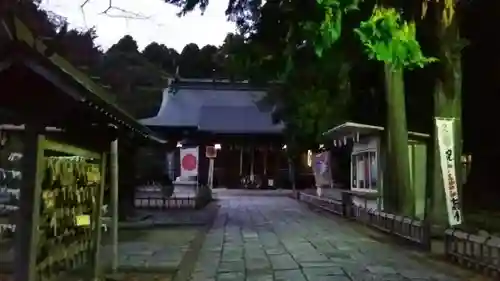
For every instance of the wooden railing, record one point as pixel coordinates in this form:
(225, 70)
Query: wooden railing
(164, 203)
(411, 230)
(481, 253)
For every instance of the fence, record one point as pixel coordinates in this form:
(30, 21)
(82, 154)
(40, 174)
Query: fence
(155, 196)
(327, 204)
(477, 252)
(411, 230)
(165, 203)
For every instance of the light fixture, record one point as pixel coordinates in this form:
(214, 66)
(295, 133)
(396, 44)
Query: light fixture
(179, 145)
(284, 146)
(321, 146)
(218, 146)
(309, 158)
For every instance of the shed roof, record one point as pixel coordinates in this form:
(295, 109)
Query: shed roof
(216, 108)
(351, 130)
(34, 54)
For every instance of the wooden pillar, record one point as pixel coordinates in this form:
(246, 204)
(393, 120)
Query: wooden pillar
(114, 204)
(28, 216)
(97, 234)
(127, 178)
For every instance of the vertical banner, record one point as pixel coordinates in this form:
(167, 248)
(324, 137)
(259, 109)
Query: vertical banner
(446, 142)
(321, 169)
(189, 162)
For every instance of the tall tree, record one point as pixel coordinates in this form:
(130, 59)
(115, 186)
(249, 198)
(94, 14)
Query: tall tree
(188, 61)
(126, 44)
(447, 93)
(162, 56)
(389, 39)
(207, 61)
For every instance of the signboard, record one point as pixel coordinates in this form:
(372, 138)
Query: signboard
(210, 152)
(446, 144)
(321, 169)
(189, 162)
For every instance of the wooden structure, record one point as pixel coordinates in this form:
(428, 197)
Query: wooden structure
(61, 125)
(235, 117)
(367, 162)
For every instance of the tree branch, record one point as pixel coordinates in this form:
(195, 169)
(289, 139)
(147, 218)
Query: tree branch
(123, 13)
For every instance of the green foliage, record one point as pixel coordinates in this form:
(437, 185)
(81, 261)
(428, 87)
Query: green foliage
(327, 31)
(390, 39)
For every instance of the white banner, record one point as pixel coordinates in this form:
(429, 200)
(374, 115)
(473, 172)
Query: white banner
(189, 162)
(446, 143)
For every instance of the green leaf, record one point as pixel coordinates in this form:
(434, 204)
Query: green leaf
(388, 38)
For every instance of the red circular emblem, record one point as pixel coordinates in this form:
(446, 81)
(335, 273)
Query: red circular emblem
(189, 162)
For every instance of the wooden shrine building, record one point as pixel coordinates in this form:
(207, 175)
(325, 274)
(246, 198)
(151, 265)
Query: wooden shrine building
(234, 117)
(56, 130)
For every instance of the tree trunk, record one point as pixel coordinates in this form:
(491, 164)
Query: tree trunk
(447, 103)
(397, 144)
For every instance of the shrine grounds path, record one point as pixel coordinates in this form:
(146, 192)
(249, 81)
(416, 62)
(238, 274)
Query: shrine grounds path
(265, 237)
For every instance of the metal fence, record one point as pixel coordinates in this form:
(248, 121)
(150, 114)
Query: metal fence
(411, 230)
(477, 252)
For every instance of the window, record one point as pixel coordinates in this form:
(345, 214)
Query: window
(364, 171)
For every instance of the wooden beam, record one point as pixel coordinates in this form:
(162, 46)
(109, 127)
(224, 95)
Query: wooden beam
(114, 204)
(26, 239)
(96, 218)
(69, 149)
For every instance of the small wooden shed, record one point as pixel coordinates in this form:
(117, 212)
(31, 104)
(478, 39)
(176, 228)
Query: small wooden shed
(367, 161)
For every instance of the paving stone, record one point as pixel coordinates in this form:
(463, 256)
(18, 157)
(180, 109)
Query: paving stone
(201, 276)
(289, 275)
(232, 266)
(232, 254)
(381, 270)
(317, 264)
(376, 277)
(323, 272)
(280, 262)
(253, 264)
(231, 276)
(275, 251)
(255, 234)
(260, 277)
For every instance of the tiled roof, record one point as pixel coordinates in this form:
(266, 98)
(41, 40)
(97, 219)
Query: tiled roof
(220, 110)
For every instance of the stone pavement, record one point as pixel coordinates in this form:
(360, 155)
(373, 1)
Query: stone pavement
(265, 238)
(157, 250)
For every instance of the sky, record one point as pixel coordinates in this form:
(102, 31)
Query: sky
(153, 20)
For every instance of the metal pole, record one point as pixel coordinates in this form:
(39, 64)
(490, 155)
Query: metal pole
(211, 173)
(252, 160)
(241, 161)
(265, 161)
(114, 204)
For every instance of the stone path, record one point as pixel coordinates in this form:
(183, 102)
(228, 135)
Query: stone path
(152, 249)
(275, 238)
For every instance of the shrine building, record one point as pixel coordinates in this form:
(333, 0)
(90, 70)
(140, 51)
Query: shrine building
(232, 116)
